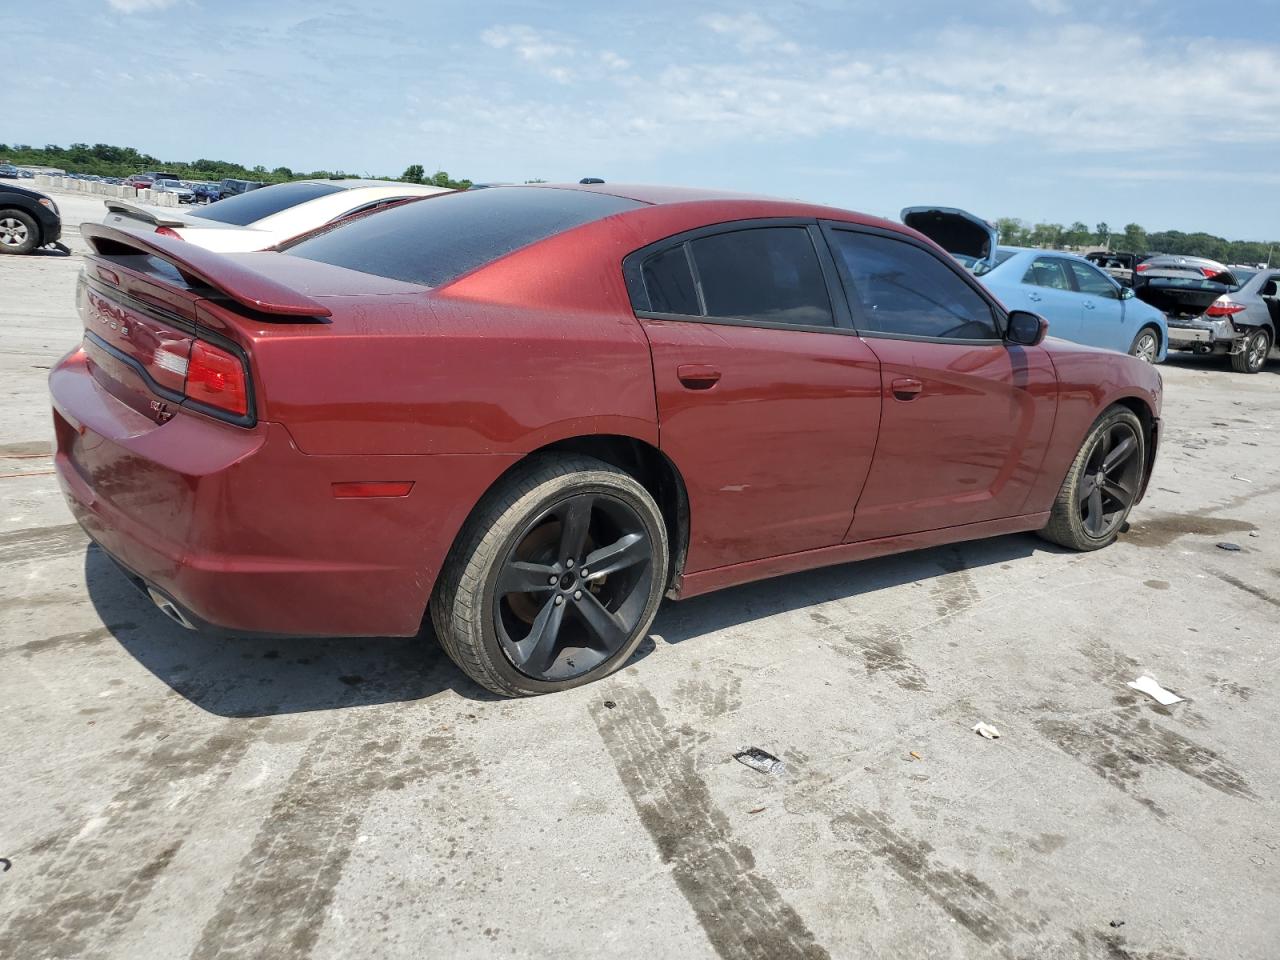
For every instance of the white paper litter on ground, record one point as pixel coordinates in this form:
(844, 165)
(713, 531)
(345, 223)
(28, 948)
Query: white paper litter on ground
(1147, 685)
(986, 730)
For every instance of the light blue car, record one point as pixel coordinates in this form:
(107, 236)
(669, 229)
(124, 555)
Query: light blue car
(1080, 302)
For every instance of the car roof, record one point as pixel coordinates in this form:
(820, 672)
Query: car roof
(730, 205)
(1043, 252)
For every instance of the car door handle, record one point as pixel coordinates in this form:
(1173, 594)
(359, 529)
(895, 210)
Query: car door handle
(907, 388)
(698, 376)
(1034, 297)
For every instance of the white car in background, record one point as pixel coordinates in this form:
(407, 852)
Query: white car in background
(265, 217)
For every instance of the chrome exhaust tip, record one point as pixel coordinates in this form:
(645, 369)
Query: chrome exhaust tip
(169, 609)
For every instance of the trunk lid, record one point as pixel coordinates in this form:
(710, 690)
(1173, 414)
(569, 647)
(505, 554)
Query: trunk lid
(1180, 296)
(965, 236)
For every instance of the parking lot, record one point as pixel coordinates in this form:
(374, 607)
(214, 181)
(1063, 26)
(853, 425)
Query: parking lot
(168, 795)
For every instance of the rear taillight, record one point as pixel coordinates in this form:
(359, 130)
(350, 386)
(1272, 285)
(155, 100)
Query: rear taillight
(169, 232)
(1209, 272)
(1224, 308)
(1143, 267)
(217, 378)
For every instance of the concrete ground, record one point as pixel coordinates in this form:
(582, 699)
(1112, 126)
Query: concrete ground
(170, 796)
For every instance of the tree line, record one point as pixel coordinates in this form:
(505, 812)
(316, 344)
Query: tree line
(1133, 239)
(105, 160)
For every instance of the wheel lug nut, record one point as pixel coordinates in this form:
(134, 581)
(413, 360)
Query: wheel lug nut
(559, 600)
(583, 573)
(577, 594)
(553, 579)
(569, 564)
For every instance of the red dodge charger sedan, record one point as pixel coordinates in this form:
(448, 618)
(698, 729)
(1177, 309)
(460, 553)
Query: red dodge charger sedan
(533, 411)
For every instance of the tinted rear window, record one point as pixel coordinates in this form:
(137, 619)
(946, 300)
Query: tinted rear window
(247, 208)
(435, 240)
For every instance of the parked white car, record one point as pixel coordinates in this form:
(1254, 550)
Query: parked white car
(263, 218)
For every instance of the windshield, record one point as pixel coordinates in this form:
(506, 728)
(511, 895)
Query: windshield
(247, 208)
(437, 239)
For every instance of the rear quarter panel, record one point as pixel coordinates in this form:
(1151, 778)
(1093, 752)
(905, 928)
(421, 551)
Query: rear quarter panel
(513, 358)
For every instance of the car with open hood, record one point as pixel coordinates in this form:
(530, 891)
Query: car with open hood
(531, 412)
(261, 218)
(1080, 301)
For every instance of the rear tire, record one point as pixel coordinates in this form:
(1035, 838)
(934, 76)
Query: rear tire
(18, 232)
(1102, 484)
(510, 608)
(1146, 345)
(1253, 357)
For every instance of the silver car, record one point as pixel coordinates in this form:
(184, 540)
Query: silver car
(1241, 322)
(184, 194)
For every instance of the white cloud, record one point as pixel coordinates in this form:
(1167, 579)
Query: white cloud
(959, 85)
(544, 50)
(749, 31)
(613, 61)
(139, 6)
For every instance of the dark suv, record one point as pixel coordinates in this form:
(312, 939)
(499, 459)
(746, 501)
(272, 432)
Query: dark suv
(232, 187)
(27, 220)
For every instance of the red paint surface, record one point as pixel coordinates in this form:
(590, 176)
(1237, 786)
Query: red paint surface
(796, 449)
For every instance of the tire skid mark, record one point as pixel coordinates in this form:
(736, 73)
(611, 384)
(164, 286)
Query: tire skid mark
(41, 543)
(79, 904)
(1120, 746)
(742, 913)
(969, 901)
(276, 903)
(955, 591)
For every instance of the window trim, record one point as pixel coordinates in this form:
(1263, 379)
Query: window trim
(999, 316)
(1066, 271)
(1075, 280)
(633, 276)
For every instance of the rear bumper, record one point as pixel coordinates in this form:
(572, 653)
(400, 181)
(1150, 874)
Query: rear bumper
(241, 530)
(1203, 335)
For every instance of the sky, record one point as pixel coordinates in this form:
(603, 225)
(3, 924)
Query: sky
(1160, 112)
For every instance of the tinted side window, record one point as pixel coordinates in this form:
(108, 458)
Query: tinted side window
(1048, 272)
(768, 273)
(903, 289)
(669, 283)
(1090, 281)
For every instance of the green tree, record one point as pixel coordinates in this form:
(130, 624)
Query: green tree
(1013, 232)
(413, 173)
(1076, 235)
(1102, 233)
(1135, 239)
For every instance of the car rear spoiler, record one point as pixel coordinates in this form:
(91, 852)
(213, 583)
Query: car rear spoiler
(142, 213)
(245, 286)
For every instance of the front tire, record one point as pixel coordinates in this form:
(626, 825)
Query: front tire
(1146, 345)
(1102, 484)
(1253, 357)
(514, 607)
(18, 232)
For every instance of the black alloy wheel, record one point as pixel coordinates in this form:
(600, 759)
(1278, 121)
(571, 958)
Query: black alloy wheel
(1109, 483)
(1102, 484)
(574, 587)
(555, 579)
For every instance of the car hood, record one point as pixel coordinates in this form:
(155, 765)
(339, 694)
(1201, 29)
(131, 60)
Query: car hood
(956, 231)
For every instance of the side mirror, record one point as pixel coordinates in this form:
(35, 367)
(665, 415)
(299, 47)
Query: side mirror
(1126, 293)
(1026, 329)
